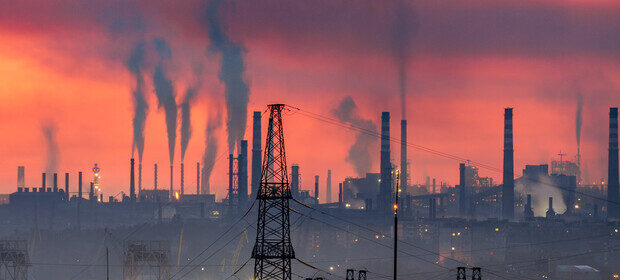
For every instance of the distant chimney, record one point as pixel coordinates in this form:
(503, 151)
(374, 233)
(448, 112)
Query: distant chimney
(257, 153)
(155, 177)
(295, 180)
(328, 191)
(182, 179)
(434, 186)
(613, 207)
(43, 183)
(242, 169)
(528, 213)
(316, 188)
(340, 196)
(403, 156)
(508, 187)
(385, 187)
(463, 205)
(550, 211)
(139, 177)
(80, 185)
(231, 193)
(431, 208)
(91, 192)
(197, 178)
(67, 186)
(132, 182)
(171, 182)
(55, 182)
(21, 177)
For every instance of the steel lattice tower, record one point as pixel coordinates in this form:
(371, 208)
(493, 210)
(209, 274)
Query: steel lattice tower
(273, 250)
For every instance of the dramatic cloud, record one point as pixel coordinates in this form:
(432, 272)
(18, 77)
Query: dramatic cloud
(165, 94)
(231, 74)
(359, 153)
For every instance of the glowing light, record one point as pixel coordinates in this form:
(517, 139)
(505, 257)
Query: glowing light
(576, 206)
(616, 276)
(616, 230)
(452, 248)
(331, 268)
(496, 229)
(176, 195)
(453, 234)
(395, 206)
(347, 205)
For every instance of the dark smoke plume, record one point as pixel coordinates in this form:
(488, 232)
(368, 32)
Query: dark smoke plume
(49, 134)
(578, 118)
(135, 64)
(165, 94)
(208, 158)
(186, 104)
(401, 43)
(358, 155)
(231, 74)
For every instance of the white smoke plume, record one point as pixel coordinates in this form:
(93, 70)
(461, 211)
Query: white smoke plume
(51, 145)
(541, 189)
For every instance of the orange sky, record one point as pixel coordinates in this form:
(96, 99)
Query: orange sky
(64, 63)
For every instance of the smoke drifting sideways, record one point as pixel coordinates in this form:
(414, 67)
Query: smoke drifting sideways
(186, 104)
(231, 73)
(165, 93)
(541, 189)
(53, 156)
(401, 44)
(358, 155)
(210, 151)
(135, 64)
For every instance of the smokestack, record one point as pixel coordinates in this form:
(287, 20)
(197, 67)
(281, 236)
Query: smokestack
(340, 196)
(242, 169)
(328, 191)
(231, 194)
(171, 181)
(67, 186)
(139, 177)
(385, 188)
(613, 209)
(550, 211)
(80, 185)
(431, 208)
(43, 183)
(197, 178)
(155, 178)
(182, 178)
(91, 192)
(403, 156)
(434, 186)
(295, 180)
(528, 213)
(21, 177)
(316, 188)
(132, 182)
(462, 191)
(256, 153)
(55, 182)
(508, 187)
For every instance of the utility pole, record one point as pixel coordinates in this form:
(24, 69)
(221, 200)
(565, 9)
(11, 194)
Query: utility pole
(396, 224)
(107, 265)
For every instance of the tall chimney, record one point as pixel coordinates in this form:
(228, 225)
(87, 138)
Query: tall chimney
(80, 185)
(508, 187)
(55, 182)
(256, 153)
(132, 182)
(295, 180)
(231, 193)
(403, 156)
(242, 167)
(550, 211)
(197, 178)
(463, 205)
(528, 212)
(328, 191)
(434, 186)
(182, 179)
(91, 192)
(67, 186)
(155, 177)
(171, 182)
(385, 187)
(339, 195)
(43, 183)
(21, 177)
(316, 188)
(613, 207)
(139, 177)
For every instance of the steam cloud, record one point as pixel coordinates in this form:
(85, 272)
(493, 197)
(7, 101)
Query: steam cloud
(186, 123)
(49, 134)
(401, 43)
(165, 94)
(231, 74)
(358, 154)
(135, 64)
(208, 158)
(541, 189)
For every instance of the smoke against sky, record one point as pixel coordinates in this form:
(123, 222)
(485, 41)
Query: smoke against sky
(135, 63)
(359, 153)
(48, 129)
(210, 150)
(401, 44)
(231, 74)
(186, 104)
(165, 93)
